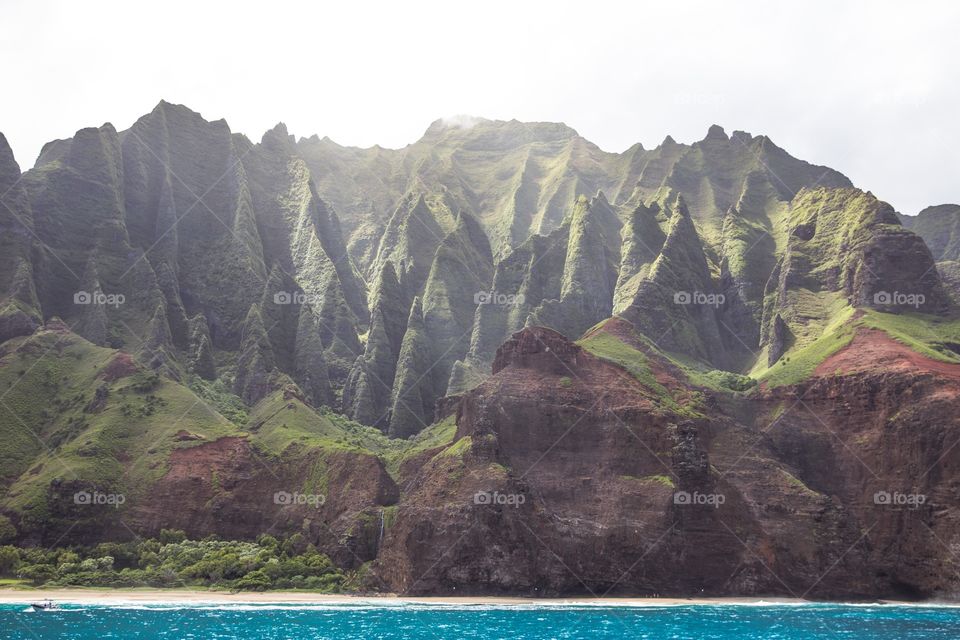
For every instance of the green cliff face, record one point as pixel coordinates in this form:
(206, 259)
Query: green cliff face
(19, 303)
(939, 226)
(415, 388)
(80, 419)
(366, 396)
(514, 178)
(200, 324)
(206, 255)
(460, 277)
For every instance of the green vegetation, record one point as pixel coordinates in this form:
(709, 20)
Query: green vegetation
(91, 419)
(217, 395)
(174, 561)
(723, 380)
(458, 448)
(662, 480)
(401, 320)
(277, 423)
(609, 347)
(440, 434)
(799, 363)
(612, 349)
(795, 481)
(932, 336)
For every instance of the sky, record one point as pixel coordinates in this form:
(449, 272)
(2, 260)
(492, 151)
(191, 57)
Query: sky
(868, 88)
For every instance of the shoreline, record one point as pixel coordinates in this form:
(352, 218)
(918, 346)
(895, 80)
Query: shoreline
(107, 597)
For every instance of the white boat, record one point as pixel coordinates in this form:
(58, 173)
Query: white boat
(45, 605)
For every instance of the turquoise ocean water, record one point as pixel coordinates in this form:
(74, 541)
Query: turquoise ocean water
(382, 622)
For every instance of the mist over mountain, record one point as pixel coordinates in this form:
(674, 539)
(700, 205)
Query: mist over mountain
(198, 321)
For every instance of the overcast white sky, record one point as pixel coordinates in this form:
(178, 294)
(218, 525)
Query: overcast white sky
(869, 88)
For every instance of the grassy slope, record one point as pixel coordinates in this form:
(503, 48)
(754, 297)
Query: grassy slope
(823, 336)
(925, 334)
(440, 434)
(810, 350)
(277, 423)
(48, 381)
(610, 348)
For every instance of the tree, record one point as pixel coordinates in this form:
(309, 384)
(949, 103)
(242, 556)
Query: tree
(7, 531)
(295, 545)
(37, 573)
(254, 581)
(9, 559)
(172, 536)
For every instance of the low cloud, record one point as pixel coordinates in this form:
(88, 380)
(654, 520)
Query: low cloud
(462, 121)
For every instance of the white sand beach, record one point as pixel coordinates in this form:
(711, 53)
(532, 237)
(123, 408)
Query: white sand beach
(159, 596)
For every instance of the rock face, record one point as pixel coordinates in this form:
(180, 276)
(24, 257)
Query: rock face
(492, 227)
(181, 215)
(222, 488)
(939, 226)
(564, 478)
(19, 305)
(696, 369)
(537, 348)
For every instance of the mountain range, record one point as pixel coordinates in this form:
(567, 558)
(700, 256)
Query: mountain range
(509, 361)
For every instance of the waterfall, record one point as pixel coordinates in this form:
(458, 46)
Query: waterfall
(380, 539)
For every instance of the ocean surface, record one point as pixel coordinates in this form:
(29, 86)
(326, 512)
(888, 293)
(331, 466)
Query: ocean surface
(489, 622)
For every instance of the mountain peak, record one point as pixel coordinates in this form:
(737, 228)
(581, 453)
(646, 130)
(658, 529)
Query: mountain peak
(8, 163)
(716, 132)
(931, 211)
(167, 107)
(279, 134)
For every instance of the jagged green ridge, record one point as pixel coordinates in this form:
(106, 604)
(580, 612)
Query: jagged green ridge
(233, 266)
